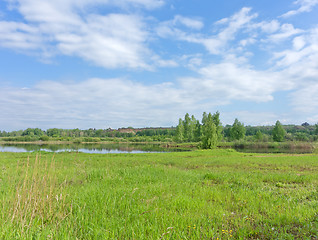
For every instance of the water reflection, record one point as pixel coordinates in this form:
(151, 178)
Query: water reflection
(86, 148)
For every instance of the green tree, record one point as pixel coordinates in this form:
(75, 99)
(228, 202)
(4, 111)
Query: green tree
(28, 132)
(278, 132)
(259, 136)
(218, 125)
(180, 131)
(53, 132)
(300, 136)
(187, 127)
(33, 132)
(197, 131)
(44, 138)
(210, 136)
(204, 118)
(38, 132)
(316, 129)
(237, 131)
(192, 130)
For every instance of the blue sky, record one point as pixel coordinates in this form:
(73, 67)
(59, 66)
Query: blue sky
(145, 63)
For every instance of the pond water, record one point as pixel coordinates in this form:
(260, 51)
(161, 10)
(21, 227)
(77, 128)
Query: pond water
(87, 148)
(131, 148)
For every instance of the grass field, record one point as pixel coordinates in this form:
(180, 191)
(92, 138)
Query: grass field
(219, 194)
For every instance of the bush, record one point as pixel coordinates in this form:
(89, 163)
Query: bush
(44, 138)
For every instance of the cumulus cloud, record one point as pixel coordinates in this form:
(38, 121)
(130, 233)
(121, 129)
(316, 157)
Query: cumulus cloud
(122, 102)
(104, 102)
(229, 82)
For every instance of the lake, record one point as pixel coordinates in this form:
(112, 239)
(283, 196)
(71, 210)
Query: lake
(87, 148)
(103, 148)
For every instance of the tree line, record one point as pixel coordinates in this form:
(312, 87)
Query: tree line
(208, 132)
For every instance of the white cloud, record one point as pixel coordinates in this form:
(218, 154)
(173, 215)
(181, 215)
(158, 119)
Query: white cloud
(188, 22)
(19, 36)
(247, 41)
(229, 82)
(104, 40)
(68, 28)
(305, 100)
(269, 27)
(104, 102)
(223, 74)
(299, 42)
(215, 44)
(302, 57)
(286, 31)
(262, 118)
(175, 28)
(305, 6)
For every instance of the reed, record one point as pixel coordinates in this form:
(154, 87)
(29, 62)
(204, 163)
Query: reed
(39, 199)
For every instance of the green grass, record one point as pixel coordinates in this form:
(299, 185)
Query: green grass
(218, 194)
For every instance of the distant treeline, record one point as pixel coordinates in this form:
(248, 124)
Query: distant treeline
(89, 135)
(208, 131)
(190, 129)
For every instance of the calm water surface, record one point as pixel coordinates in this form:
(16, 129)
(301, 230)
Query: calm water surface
(126, 148)
(86, 148)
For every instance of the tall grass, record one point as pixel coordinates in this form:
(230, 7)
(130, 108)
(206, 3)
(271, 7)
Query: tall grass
(271, 147)
(35, 200)
(219, 194)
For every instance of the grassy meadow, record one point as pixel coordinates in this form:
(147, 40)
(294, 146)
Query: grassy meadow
(215, 194)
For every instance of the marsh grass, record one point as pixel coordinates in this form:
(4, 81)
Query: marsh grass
(271, 147)
(218, 194)
(36, 198)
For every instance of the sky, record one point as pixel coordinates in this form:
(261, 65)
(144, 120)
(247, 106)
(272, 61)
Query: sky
(146, 63)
